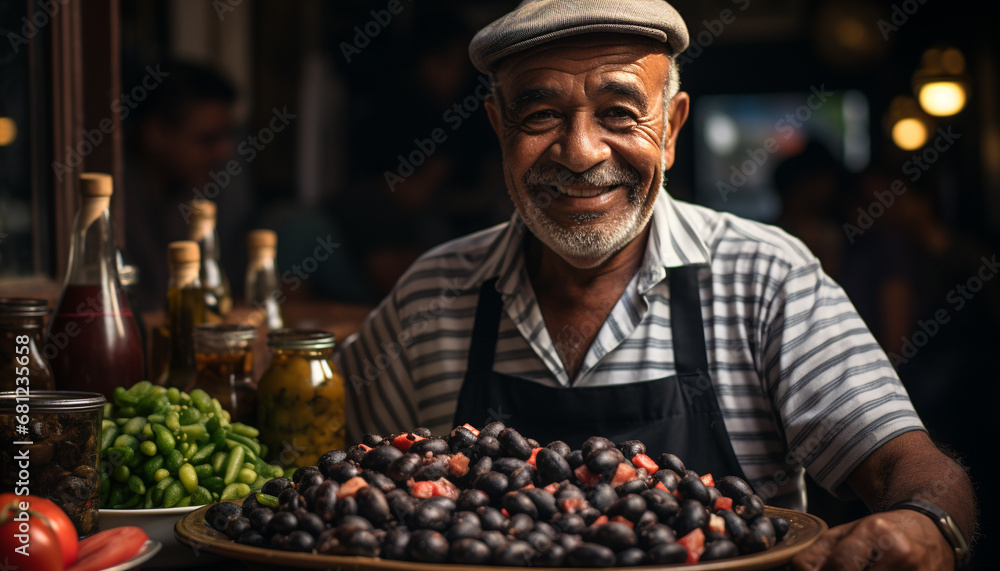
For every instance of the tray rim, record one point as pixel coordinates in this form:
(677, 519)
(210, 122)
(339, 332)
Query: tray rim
(187, 533)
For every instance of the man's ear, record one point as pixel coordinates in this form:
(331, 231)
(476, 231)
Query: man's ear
(677, 113)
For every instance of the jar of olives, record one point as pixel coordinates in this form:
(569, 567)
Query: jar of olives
(300, 398)
(22, 324)
(224, 359)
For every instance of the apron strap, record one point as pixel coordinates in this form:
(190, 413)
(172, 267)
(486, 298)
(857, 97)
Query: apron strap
(485, 329)
(686, 325)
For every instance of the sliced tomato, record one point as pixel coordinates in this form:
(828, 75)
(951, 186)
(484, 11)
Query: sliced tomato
(643, 461)
(109, 548)
(458, 464)
(405, 440)
(623, 474)
(505, 512)
(586, 477)
(572, 505)
(707, 480)
(57, 519)
(724, 503)
(694, 542)
(365, 447)
(552, 488)
(716, 524)
(424, 489)
(660, 486)
(471, 429)
(600, 520)
(622, 520)
(351, 487)
(444, 487)
(531, 459)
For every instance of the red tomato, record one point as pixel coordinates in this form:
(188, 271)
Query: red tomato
(472, 429)
(643, 461)
(38, 547)
(622, 520)
(351, 487)
(109, 548)
(587, 477)
(623, 474)
(708, 481)
(600, 520)
(694, 542)
(424, 489)
(724, 503)
(531, 460)
(61, 524)
(405, 440)
(458, 464)
(660, 486)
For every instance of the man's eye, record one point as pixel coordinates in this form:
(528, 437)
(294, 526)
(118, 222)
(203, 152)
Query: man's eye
(620, 113)
(540, 115)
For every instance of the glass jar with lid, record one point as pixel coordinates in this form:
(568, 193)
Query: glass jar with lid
(224, 359)
(22, 323)
(300, 398)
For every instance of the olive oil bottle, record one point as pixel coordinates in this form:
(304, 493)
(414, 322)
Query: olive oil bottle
(185, 310)
(214, 283)
(262, 288)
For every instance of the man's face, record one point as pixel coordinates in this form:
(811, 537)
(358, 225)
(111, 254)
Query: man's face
(200, 143)
(585, 140)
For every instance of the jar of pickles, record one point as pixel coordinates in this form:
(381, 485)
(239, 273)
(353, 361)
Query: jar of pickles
(224, 360)
(22, 363)
(300, 398)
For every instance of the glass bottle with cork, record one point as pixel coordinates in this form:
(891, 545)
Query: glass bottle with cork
(218, 294)
(224, 357)
(185, 310)
(262, 286)
(22, 323)
(93, 342)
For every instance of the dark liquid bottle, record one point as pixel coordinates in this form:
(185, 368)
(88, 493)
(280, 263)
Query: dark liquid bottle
(185, 310)
(93, 337)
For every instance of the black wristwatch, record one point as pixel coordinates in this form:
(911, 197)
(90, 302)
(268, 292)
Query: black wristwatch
(944, 523)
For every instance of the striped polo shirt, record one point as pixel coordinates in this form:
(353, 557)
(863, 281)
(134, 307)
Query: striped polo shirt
(802, 384)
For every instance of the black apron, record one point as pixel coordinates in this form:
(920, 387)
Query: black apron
(678, 414)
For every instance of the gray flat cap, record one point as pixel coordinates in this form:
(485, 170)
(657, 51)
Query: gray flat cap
(535, 22)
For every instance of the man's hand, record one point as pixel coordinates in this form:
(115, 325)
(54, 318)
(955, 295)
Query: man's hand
(898, 539)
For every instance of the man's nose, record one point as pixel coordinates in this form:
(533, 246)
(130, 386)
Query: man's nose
(582, 145)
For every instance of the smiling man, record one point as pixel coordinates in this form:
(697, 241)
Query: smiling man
(606, 307)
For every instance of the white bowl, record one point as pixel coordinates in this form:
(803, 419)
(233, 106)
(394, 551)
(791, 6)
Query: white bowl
(159, 526)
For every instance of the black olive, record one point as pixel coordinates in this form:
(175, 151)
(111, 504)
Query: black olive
(438, 468)
(372, 505)
(546, 528)
(631, 507)
(736, 527)
(749, 507)
(601, 496)
(445, 503)
(471, 499)
(290, 500)
(259, 518)
(518, 503)
(299, 472)
(575, 459)
(711, 536)
(394, 544)
(218, 515)
(432, 445)
(237, 527)
(668, 461)
(733, 487)
(668, 478)
(492, 429)
(720, 549)
(378, 480)
(507, 465)
(780, 525)
(559, 447)
(487, 446)
(656, 534)
(567, 490)
(283, 523)
(477, 469)
(402, 468)
(493, 483)
(552, 467)
(595, 443)
(630, 448)
(325, 500)
(522, 477)
(516, 553)
(463, 529)
(692, 488)
(630, 557)
(602, 461)
(379, 458)
(278, 541)
(617, 536)
(328, 543)
(533, 443)
(589, 514)
(520, 525)
(647, 519)
(360, 542)
(461, 438)
(355, 454)
(591, 555)
(356, 521)
(514, 443)
(538, 541)
(275, 486)
(430, 516)
(311, 524)
(713, 496)
(492, 519)
(252, 538)
(636, 486)
(371, 439)
(470, 551)
(309, 480)
(692, 516)
(665, 505)
(569, 541)
(494, 540)
(401, 504)
(345, 507)
(544, 502)
(569, 523)
(667, 553)
(554, 556)
(423, 431)
(427, 546)
(332, 457)
(761, 536)
(341, 472)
